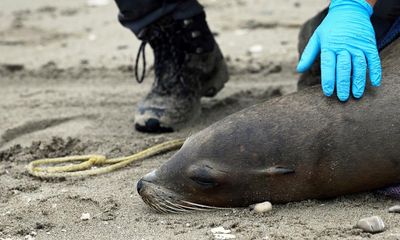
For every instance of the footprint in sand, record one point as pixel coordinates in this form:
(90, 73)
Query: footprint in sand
(30, 131)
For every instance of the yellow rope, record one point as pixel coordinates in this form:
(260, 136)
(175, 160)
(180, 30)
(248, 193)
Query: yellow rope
(84, 168)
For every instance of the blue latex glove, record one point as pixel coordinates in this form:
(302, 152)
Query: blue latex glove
(346, 41)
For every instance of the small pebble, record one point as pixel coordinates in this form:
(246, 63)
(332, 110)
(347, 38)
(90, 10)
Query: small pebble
(256, 49)
(223, 236)
(15, 191)
(240, 32)
(373, 224)
(96, 3)
(220, 230)
(393, 236)
(29, 237)
(261, 207)
(92, 37)
(395, 209)
(85, 216)
(221, 233)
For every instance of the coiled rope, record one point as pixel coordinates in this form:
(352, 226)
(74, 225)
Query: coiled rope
(87, 162)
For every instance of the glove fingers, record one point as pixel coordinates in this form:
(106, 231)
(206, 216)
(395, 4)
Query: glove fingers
(343, 71)
(375, 68)
(328, 72)
(309, 54)
(359, 64)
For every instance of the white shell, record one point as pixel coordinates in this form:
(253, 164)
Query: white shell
(95, 3)
(221, 233)
(224, 236)
(262, 207)
(395, 209)
(256, 49)
(373, 224)
(220, 230)
(85, 216)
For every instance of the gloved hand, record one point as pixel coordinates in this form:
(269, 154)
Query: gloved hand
(346, 41)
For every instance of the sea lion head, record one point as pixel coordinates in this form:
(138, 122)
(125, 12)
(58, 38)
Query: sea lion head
(198, 177)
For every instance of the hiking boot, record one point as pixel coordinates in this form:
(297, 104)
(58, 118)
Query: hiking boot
(188, 65)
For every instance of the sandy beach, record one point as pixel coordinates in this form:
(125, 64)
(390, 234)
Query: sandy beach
(67, 88)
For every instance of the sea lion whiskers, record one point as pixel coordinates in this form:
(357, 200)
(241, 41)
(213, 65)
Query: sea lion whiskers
(173, 207)
(159, 203)
(153, 204)
(157, 208)
(203, 207)
(181, 208)
(195, 208)
(167, 208)
(164, 207)
(191, 209)
(162, 199)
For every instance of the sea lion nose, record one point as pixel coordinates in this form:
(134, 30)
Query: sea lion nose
(150, 177)
(139, 185)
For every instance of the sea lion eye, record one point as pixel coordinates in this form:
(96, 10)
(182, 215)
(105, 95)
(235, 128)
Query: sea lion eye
(204, 181)
(203, 177)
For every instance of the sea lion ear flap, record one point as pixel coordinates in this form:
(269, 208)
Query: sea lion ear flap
(278, 170)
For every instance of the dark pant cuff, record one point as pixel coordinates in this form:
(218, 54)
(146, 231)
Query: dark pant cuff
(185, 9)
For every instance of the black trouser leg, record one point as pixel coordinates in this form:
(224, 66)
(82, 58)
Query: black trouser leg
(137, 14)
(385, 13)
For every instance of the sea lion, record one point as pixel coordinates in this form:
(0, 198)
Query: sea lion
(296, 147)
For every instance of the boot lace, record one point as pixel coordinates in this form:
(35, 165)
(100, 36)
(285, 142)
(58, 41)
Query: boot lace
(169, 55)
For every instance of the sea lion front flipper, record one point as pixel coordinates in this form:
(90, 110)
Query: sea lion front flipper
(279, 170)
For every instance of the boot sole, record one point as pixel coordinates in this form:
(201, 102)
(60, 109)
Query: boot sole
(154, 125)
